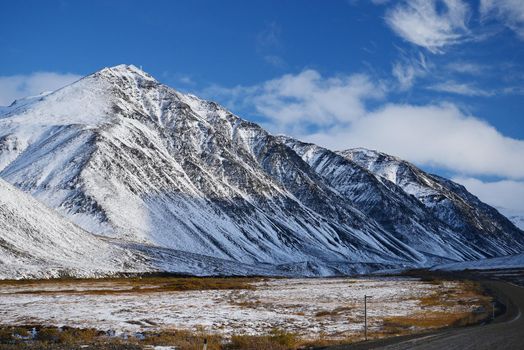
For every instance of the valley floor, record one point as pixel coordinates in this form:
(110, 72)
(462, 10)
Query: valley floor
(312, 310)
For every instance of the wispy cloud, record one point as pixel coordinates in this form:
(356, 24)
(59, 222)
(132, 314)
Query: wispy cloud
(513, 90)
(187, 80)
(275, 60)
(509, 12)
(269, 37)
(467, 67)
(269, 44)
(17, 86)
(423, 23)
(465, 89)
(408, 68)
(405, 75)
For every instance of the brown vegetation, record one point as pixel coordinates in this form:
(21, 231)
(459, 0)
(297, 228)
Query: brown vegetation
(276, 340)
(112, 286)
(335, 312)
(14, 338)
(439, 309)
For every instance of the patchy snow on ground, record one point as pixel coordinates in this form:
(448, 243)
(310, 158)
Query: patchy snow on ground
(310, 307)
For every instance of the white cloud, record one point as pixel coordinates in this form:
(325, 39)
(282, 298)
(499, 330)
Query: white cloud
(297, 102)
(510, 12)
(437, 135)
(505, 195)
(17, 86)
(432, 24)
(336, 113)
(460, 89)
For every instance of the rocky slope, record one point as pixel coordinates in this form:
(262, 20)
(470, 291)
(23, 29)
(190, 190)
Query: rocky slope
(448, 201)
(383, 200)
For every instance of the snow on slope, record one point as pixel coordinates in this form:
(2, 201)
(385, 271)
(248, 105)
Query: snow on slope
(480, 224)
(503, 262)
(387, 203)
(194, 187)
(37, 242)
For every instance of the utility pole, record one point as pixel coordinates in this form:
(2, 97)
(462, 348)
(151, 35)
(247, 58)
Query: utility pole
(366, 297)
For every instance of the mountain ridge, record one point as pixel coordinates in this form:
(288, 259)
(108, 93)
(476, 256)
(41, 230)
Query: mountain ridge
(125, 156)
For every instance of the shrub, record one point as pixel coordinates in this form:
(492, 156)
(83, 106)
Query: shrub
(276, 340)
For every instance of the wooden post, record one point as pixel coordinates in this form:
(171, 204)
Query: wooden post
(366, 297)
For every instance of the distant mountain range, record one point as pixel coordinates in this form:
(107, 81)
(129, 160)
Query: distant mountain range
(514, 215)
(165, 181)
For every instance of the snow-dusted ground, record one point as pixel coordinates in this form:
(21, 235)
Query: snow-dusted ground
(332, 307)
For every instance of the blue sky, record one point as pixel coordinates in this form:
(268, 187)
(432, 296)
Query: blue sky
(437, 82)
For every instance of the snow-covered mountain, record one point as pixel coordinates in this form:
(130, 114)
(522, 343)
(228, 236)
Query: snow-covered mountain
(123, 156)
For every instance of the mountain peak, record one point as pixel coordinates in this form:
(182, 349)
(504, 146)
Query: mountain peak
(125, 70)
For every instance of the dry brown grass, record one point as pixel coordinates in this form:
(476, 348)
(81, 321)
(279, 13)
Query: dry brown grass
(135, 285)
(50, 338)
(248, 304)
(322, 341)
(424, 320)
(71, 338)
(468, 294)
(184, 339)
(276, 340)
(438, 310)
(11, 334)
(332, 313)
